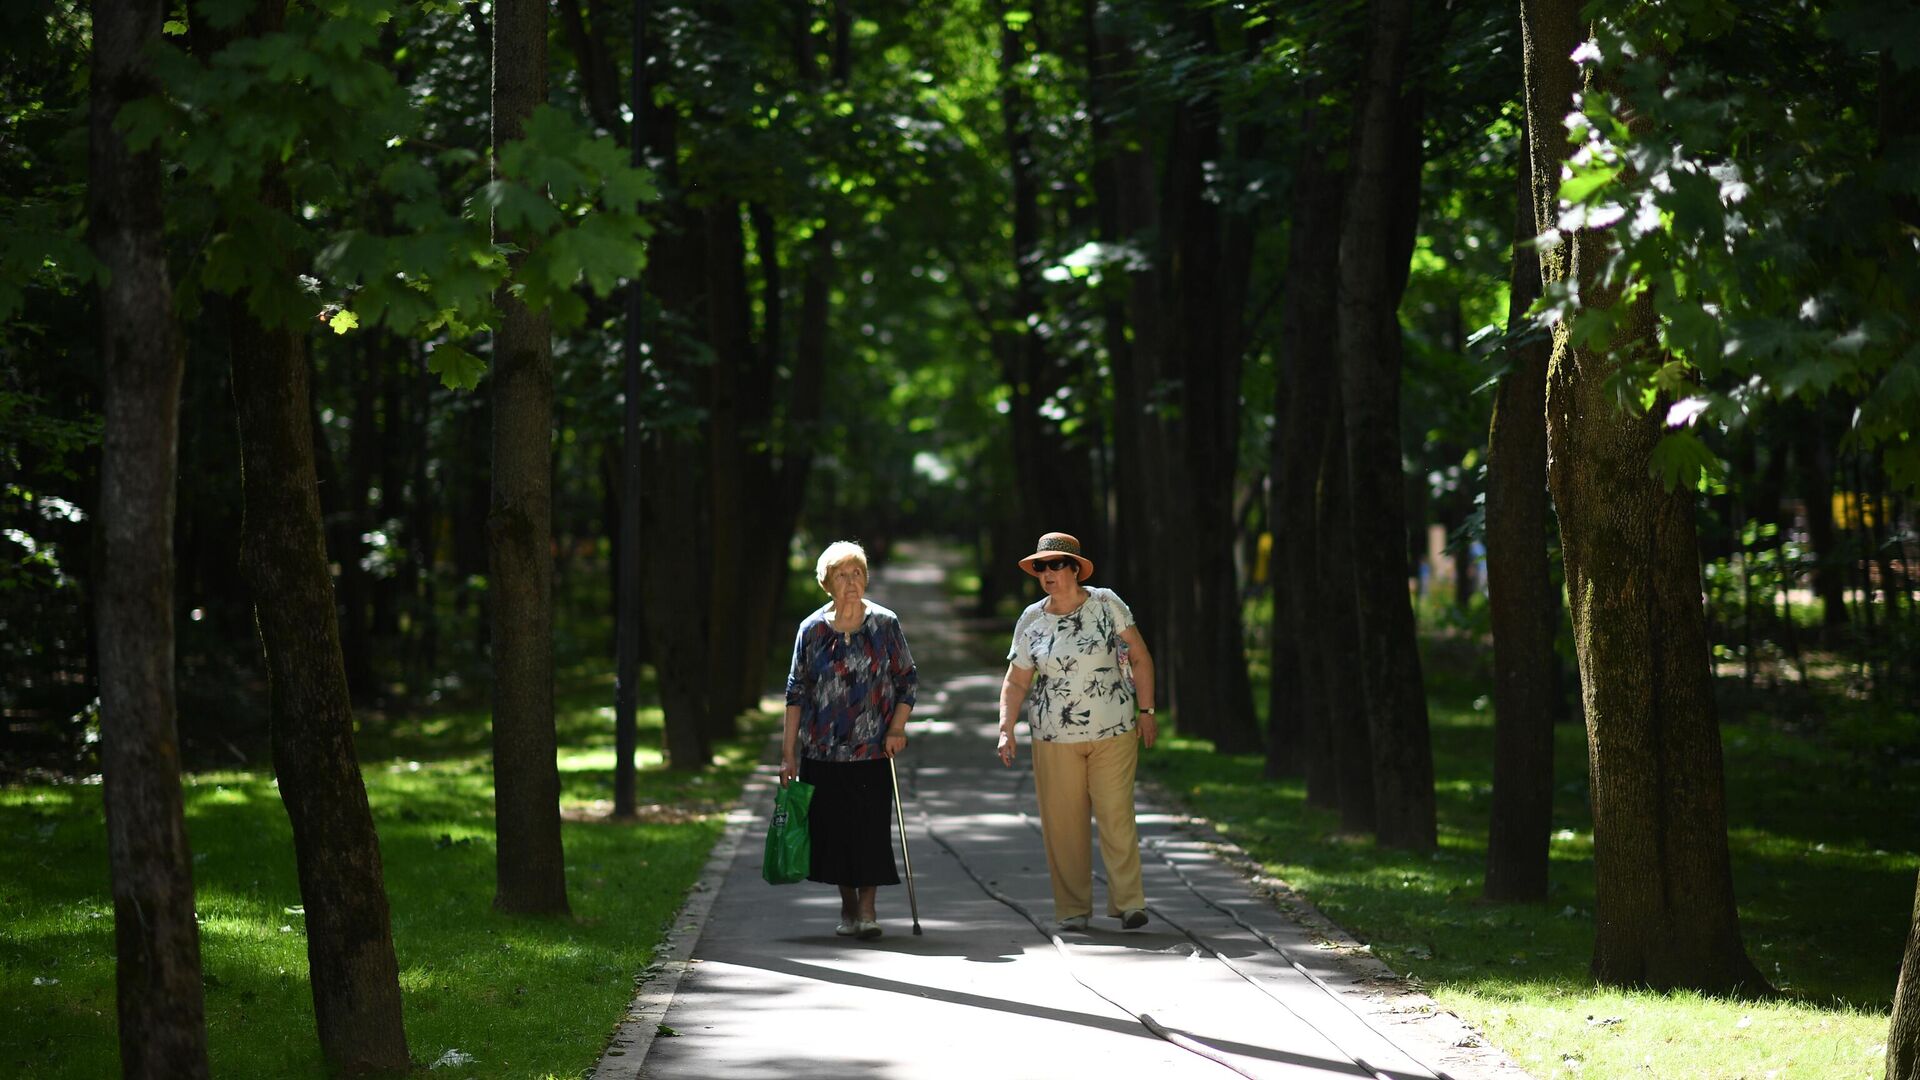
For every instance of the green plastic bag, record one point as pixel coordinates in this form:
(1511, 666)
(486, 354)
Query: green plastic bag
(789, 851)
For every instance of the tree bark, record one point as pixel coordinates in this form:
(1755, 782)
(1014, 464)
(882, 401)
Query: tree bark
(1664, 911)
(1903, 1034)
(1300, 732)
(673, 522)
(1213, 256)
(1520, 582)
(1339, 626)
(1376, 242)
(629, 626)
(161, 1011)
(728, 315)
(530, 865)
(355, 977)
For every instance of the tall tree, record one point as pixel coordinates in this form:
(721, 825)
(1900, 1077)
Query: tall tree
(628, 621)
(1520, 582)
(1351, 736)
(352, 970)
(1664, 911)
(673, 514)
(530, 865)
(1212, 257)
(354, 975)
(1376, 243)
(162, 1017)
(1300, 736)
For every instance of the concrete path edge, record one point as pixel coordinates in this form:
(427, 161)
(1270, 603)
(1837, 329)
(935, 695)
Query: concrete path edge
(626, 1051)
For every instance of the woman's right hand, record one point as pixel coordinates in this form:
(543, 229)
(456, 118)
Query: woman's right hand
(789, 768)
(1009, 748)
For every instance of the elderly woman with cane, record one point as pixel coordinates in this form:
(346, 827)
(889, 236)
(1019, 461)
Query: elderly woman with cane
(1087, 724)
(849, 692)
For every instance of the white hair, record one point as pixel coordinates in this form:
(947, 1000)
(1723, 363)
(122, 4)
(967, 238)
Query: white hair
(840, 551)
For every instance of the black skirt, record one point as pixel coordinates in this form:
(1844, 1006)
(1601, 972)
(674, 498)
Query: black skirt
(850, 822)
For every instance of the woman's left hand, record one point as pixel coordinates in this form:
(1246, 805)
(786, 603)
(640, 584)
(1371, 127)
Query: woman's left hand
(896, 742)
(1149, 730)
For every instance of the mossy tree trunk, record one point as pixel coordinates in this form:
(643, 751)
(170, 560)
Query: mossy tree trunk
(1664, 912)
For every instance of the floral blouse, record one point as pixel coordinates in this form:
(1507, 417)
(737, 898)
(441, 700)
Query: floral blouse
(1079, 692)
(848, 684)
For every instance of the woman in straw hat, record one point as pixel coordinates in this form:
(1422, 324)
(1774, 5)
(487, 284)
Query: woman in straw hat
(1087, 725)
(849, 691)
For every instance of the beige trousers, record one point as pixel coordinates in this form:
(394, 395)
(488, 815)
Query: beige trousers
(1071, 780)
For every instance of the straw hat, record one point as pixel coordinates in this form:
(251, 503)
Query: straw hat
(1054, 545)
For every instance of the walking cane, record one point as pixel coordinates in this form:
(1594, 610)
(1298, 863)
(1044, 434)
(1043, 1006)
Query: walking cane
(900, 815)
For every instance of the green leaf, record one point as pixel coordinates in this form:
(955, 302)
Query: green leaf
(343, 321)
(458, 369)
(1579, 187)
(1681, 458)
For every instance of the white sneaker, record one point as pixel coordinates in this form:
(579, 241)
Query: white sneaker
(847, 928)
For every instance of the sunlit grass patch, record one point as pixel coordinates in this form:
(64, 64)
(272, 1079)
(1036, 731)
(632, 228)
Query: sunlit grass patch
(1521, 971)
(524, 997)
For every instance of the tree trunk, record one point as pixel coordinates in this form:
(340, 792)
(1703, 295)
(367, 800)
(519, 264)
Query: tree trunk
(529, 865)
(1664, 909)
(673, 521)
(161, 1011)
(763, 562)
(1213, 260)
(1903, 1035)
(1339, 627)
(628, 620)
(1376, 242)
(1298, 715)
(728, 314)
(1520, 582)
(355, 978)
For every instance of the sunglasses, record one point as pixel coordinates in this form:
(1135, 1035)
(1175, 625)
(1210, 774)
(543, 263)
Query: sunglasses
(1056, 564)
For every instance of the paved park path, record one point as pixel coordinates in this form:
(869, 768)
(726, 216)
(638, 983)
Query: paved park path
(752, 983)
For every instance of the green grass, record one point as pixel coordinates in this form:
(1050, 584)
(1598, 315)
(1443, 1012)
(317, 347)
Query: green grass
(1824, 813)
(525, 997)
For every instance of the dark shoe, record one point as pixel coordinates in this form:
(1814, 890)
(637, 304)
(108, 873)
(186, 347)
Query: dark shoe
(1134, 919)
(1074, 923)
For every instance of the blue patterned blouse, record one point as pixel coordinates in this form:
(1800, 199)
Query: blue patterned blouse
(847, 685)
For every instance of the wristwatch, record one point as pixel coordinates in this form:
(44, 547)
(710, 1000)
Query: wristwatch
(1148, 710)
